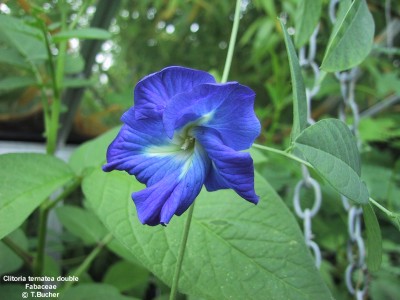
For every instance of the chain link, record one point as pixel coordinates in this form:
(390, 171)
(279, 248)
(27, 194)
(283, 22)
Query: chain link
(388, 19)
(307, 62)
(356, 276)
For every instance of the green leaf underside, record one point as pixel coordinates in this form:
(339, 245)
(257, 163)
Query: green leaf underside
(27, 40)
(299, 92)
(125, 276)
(13, 58)
(307, 16)
(81, 223)
(351, 39)
(93, 153)
(27, 179)
(330, 148)
(374, 239)
(13, 82)
(9, 261)
(82, 33)
(235, 250)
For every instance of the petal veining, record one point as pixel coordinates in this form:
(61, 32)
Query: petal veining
(230, 169)
(154, 91)
(227, 108)
(174, 193)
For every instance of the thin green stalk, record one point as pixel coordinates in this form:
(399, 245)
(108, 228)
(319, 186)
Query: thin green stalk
(383, 209)
(88, 260)
(25, 256)
(232, 42)
(389, 213)
(182, 248)
(39, 260)
(48, 205)
(42, 231)
(57, 87)
(283, 153)
(181, 254)
(82, 9)
(45, 100)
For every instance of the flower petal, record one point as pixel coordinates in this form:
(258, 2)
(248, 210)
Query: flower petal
(230, 169)
(227, 108)
(174, 193)
(154, 91)
(143, 149)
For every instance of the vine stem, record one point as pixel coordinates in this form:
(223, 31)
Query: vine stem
(58, 76)
(182, 248)
(24, 255)
(284, 153)
(295, 158)
(88, 260)
(389, 213)
(43, 215)
(232, 42)
(181, 253)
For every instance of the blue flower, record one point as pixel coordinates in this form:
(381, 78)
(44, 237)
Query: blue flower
(185, 130)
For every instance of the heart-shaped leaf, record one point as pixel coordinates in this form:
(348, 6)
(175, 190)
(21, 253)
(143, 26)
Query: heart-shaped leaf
(351, 39)
(27, 179)
(330, 147)
(235, 250)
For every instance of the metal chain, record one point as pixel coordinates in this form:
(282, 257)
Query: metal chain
(307, 62)
(355, 247)
(388, 19)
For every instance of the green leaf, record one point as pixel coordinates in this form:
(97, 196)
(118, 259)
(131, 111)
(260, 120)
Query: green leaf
(93, 291)
(12, 83)
(374, 238)
(74, 64)
(307, 16)
(13, 58)
(82, 33)
(235, 250)
(81, 223)
(299, 92)
(92, 154)
(27, 179)
(9, 261)
(125, 276)
(257, 156)
(27, 40)
(351, 39)
(330, 148)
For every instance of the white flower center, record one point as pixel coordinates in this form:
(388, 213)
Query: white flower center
(188, 143)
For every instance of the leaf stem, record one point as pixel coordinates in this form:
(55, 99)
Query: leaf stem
(389, 213)
(88, 260)
(232, 42)
(42, 231)
(181, 253)
(24, 255)
(68, 190)
(82, 9)
(38, 263)
(57, 78)
(383, 209)
(283, 153)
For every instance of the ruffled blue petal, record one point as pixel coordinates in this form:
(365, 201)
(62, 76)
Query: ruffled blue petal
(227, 108)
(143, 149)
(230, 168)
(174, 193)
(154, 91)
